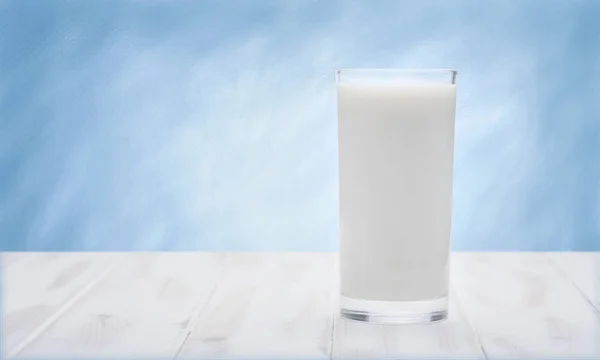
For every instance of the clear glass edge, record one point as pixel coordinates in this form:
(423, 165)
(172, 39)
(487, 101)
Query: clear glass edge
(453, 73)
(397, 70)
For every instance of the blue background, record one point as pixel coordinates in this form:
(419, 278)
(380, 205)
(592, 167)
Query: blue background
(211, 125)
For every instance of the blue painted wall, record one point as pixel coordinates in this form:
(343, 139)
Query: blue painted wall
(211, 125)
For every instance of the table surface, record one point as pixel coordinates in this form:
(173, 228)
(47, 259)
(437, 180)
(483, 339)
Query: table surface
(284, 305)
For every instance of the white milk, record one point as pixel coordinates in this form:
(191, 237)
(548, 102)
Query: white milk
(395, 161)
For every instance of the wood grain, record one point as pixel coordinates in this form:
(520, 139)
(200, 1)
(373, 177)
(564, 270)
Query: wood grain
(8, 258)
(39, 287)
(284, 305)
(522, 308)
(268, 306)
(144, 309)
(582, 269)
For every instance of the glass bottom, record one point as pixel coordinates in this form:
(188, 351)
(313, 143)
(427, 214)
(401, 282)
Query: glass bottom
(394, 312)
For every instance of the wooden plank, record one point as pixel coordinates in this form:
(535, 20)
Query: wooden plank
(452, 338)
(144, 308)
(272, 306)
(10, 257)
(281, 306)
(521, 307)
(39, 287)
(583, 270)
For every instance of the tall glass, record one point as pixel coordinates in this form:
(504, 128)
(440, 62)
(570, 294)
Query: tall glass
(396, 145)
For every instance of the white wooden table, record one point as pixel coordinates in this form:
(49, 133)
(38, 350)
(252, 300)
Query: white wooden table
(283, 305)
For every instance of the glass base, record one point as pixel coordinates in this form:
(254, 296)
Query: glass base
(394, 312)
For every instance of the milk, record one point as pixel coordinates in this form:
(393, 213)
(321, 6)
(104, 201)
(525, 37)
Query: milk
(395, 165)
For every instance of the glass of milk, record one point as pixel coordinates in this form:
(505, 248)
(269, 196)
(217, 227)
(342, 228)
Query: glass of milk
(396, 145)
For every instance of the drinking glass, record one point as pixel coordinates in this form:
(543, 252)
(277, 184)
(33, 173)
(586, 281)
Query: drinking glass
(396, 145)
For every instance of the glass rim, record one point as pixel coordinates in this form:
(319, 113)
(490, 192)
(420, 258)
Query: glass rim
(398, 70)
(424, 75)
